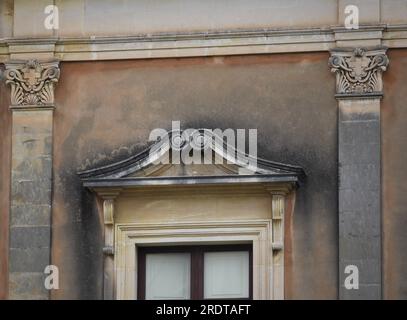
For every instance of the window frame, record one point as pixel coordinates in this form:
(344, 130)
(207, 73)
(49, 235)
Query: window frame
(197, 265)
(268, 255)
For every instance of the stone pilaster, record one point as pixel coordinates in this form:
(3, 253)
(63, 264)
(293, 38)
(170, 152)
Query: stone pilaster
(359, 90)
(279, 194)
(108, 249)
(32, 103)
(108, 196)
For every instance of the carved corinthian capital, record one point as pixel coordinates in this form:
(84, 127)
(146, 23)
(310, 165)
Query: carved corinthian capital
(32, 82)
(358, 71)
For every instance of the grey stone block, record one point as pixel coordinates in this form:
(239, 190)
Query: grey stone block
(356, 223)
(34, 191)
(357, 132)
(38, 131)
(359, 247)
(34, 215)
(27, 286)
(36, 167)
(369, 270)
(30, 237)
(365, 292)
(29, 260)
(354, 154)
(359, 114)
(362, 200)
(359, 176)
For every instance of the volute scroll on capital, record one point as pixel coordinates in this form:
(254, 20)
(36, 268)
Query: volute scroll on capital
(32, 82)
(359, 71)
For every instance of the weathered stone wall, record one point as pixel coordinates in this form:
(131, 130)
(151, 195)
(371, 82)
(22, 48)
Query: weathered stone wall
(5, 156)
(123, 17)
(30, 211)
(6, 18)
(288, 98)
(359, 196)
(394, 177)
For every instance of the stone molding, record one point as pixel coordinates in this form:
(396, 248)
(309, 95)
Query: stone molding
(359, 71)
(32, 83)
(198, 44)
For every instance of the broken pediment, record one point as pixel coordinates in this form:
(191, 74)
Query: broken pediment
(201, 158)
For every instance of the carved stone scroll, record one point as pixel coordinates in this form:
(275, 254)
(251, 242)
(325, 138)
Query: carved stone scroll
(358, 71)
(32, 82)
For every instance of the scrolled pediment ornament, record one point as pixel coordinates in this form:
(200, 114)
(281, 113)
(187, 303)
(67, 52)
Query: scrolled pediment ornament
(359, 71)
(32, 82)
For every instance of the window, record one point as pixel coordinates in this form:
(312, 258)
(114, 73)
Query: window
(195, 272)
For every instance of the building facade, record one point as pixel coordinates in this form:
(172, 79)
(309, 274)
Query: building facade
(91, 199)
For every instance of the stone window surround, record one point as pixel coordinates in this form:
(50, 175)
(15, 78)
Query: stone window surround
(266, 235)
(258, 232)
(133, 178)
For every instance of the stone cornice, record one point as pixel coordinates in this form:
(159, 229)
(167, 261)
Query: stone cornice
(32, 83)
(230, 42)
(359, 71)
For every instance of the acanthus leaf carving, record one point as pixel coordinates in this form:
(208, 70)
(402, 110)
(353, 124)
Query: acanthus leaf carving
(359, 71)
(32, 82)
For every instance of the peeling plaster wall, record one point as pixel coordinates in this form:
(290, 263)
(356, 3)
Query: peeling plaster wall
(102, 106)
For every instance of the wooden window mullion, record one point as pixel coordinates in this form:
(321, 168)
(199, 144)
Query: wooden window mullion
(196, 273)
